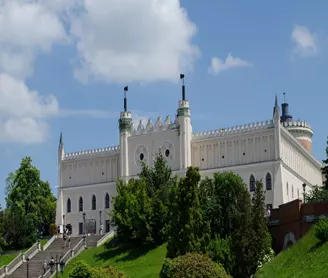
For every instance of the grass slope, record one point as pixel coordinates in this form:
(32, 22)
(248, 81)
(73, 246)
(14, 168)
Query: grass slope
(7, 258)
(308, 258)
(136, 262)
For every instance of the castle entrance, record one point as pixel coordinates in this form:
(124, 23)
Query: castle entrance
(90, 226)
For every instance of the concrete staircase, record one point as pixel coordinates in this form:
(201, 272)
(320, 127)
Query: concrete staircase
(35, 265)
(91, 241)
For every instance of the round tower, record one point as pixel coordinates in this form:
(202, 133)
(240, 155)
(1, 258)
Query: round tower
(302, 132)
(299, 129)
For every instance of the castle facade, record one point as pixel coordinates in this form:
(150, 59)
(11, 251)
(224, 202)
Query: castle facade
(278, 151)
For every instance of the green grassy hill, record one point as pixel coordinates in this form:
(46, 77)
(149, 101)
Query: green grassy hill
(307, 258)
(136, 262)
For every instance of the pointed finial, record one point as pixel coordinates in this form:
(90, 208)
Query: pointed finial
(61, 138)
(276, 101)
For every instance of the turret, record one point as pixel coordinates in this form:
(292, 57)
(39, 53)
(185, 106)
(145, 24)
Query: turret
(185, 128)
(125, 126)
(299, 129)
(60, 200)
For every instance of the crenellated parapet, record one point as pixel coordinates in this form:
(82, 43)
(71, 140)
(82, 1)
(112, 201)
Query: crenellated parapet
(292, 124)
(235, 130)
(159, 126)
(109, 151)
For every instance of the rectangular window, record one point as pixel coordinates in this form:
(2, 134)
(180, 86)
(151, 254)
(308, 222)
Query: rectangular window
(107, 226)
(80, 228)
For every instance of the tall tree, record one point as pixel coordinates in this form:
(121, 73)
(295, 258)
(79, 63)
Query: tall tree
(325, 168)
(187, 231)
(29, 203)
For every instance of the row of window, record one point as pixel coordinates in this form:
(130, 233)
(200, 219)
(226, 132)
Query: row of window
(93, 203)
(268, 182)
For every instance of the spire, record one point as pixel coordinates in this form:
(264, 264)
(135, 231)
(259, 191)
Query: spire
(276, 101)
(61, 138)
(276, 106)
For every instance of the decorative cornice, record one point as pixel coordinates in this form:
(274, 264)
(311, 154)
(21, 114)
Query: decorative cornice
(109, 151)
(251, 127)
(158, 127)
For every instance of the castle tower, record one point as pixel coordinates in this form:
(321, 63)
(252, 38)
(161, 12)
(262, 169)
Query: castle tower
(125, 125)
(60, 200)
(299, 129)
(185, 129)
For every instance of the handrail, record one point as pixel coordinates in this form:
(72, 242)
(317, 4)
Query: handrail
(3, 271)
(14, 263)
(105, 238)
(31, 250)
(49, 242)
(78, 246)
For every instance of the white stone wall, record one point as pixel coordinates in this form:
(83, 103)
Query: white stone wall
(86, 192)
(149, 144)
(299, 160)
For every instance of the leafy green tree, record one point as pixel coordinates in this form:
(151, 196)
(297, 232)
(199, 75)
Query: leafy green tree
(187, 230)
(80, 270)
(262, 237)
(325, 168)
(30, 205)
(219, 200)
(318, 194)
(159, 182)
(132, 211)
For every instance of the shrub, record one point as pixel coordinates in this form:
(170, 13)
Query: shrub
(108, 272)
(321, 229)
(219, 250)
(53, 229)
(192, 265)
(81, 270)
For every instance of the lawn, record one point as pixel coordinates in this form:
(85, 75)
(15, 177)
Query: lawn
(307, 258)
(7, 258)
(136, 262)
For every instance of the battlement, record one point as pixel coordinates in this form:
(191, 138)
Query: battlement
(158, 127)
(297, 124)
(92, 153)
(234, 130)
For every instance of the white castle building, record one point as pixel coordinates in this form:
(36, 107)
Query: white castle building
(278, 151)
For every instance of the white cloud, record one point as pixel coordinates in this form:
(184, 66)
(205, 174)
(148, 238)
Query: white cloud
(128, 40)
(305, 42)
(218, 65)
(24, 113)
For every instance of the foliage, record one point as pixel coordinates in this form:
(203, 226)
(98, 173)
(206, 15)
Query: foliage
(31, 206)
(53, 229)
(192, 265)
(325, 168)
(219, 198)
(159, 182)
(318, 194)
(132, 211)
(219, 250)
(267, 257)
(321, 229)
(81, 270)
(306, 259)
(187, 230)
(108, 272)
(141, 207)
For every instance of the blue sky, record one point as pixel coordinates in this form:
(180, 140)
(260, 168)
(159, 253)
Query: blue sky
(63, 66)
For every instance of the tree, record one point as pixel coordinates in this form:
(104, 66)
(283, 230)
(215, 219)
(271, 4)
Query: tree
(318, 194)
(132, 211)
(325, 168)
(262, 237)
(219, 198)
(187, 231)
(159, 182)
(30, 205)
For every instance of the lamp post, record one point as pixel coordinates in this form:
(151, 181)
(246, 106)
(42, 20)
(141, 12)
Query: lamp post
(100, 223)
(84, 224)
(27, 274)
(304, 185)
(64, 220)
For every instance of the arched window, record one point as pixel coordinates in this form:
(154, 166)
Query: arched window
(287, 188)
(69, 205)
(81, 204)
(252, 183)
(107, 201)
(268, 182)
(94, 202)
(292, 191)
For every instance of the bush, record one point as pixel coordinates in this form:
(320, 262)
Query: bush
(192, 265)
(53, 229)
(108, 272)
(81, 270)
(219, 250)
(321, 229)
